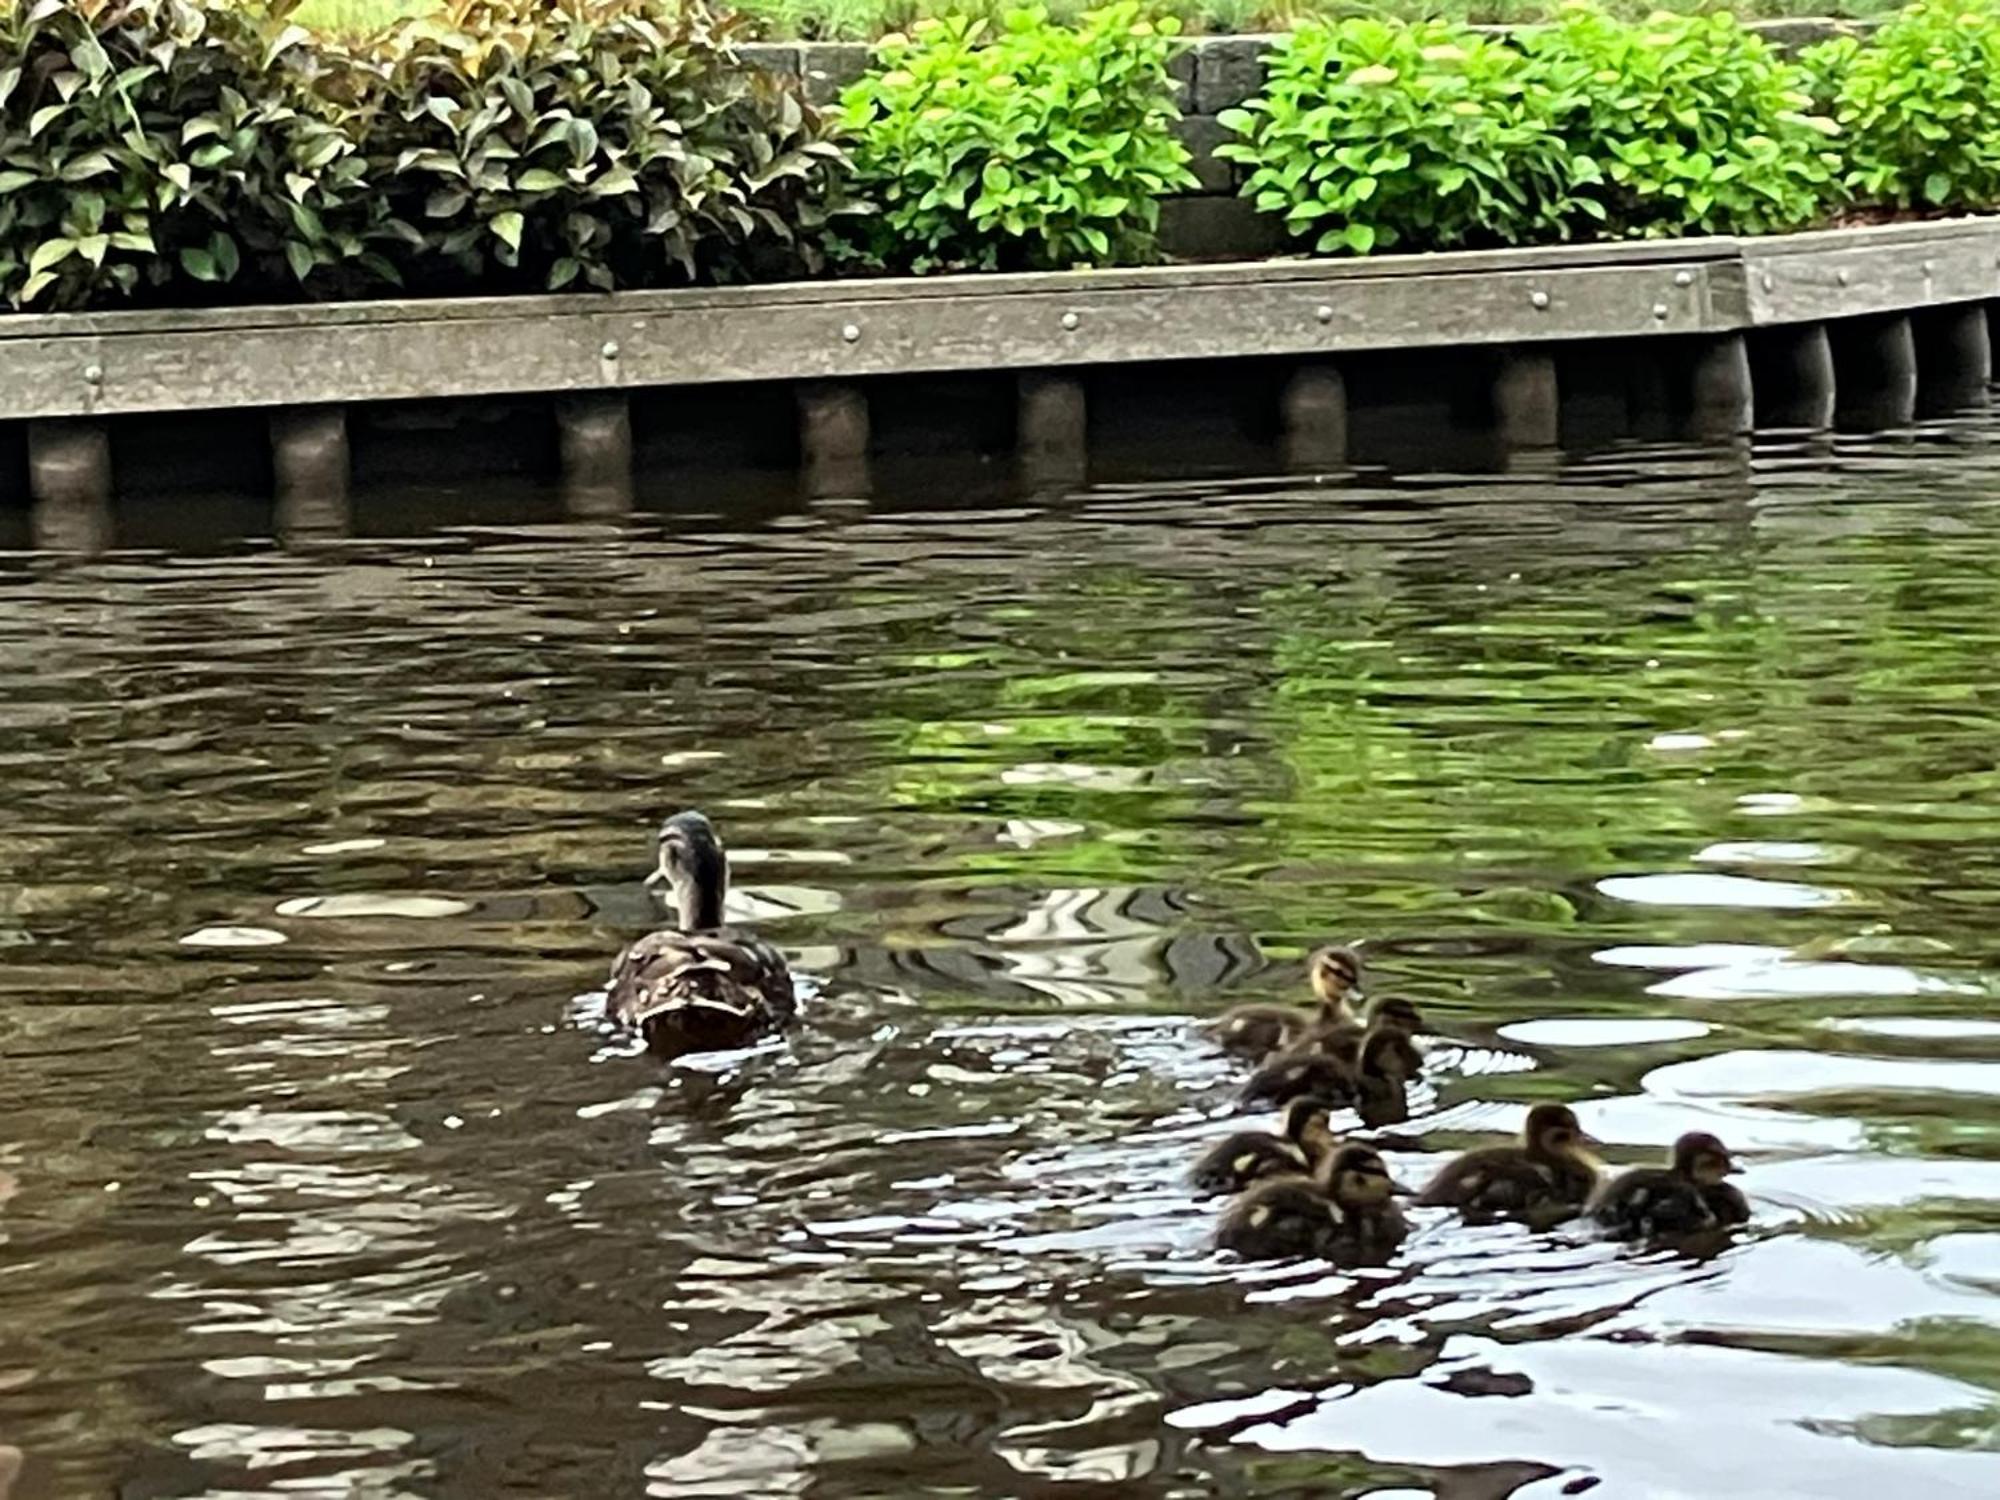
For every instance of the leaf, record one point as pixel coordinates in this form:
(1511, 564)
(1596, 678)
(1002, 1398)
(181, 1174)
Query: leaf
(562, 273)
(42, 118)
(539, 180)
(35, 285)
(223, 250)
(507, 228)
(91, 164)
(1360, 238)
(12, 182)
(1937, 187)
(199, 264)
(50, 253)
(300, 258)
(92, 247)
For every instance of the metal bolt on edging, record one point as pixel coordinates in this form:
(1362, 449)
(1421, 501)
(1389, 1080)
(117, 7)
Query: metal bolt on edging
(610, 349)
(851, 333)
(1683, 278)
(1538, 299)
(1324, 313)
(1069, 321)
(1660, 311)
(93, 374)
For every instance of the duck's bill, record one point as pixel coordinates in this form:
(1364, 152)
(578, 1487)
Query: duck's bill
(1401, 1189)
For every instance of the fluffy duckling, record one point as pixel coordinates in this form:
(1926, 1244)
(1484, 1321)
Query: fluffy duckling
(703, 987)
(1378, 1068)
(1548, 1176)
(1343, 1212)
(1392, 1012)
(1686, 1196)
(1304, 1139)
(1259, 1030)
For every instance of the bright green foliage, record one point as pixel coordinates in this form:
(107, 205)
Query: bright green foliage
(1372, 135)
(1033, 147)
(1375, 134)
(1919, 106)
(1684, 124)
(191, 149)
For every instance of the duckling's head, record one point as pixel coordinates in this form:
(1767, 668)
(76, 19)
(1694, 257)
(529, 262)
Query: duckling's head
(694, 867)
(1357, 1177)
(1396, 1012)
(1700, 1157)
(1306, 1124)
(1554, 1130)
(1336, 978)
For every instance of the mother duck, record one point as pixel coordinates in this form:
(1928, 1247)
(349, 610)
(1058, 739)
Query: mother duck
(701, 987)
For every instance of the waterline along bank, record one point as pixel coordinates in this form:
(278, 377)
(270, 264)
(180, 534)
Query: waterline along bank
(564, 240)
(1862, 327)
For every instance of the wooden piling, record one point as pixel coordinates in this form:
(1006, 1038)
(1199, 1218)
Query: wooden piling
(1954, 358)
(1314, 418)
(833, 441)
(1051, 436)
(1527, 405)
(310, 470)
(594, 433)
(1794, 377)
(1875, 372)
(69, 484)
(1721, 394)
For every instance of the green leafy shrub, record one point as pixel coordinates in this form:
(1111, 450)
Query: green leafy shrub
(1033, 147)
(1919, 106)
(605, 143)
(1691, 123)
(1422, 136)
(194, 149)
(108, 186)
(1372, 134)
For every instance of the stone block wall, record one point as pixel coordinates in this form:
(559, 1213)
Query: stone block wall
(1209, 222)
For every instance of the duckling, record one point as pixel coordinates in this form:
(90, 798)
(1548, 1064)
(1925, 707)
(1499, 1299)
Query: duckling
(1343, 1038)
(1388, 1060)
(1303, 1140)
(1342, 1212)
(703, 986)
(1259, 1030)
(1684, 1197)
(1547, 1177)
(1376, 1071)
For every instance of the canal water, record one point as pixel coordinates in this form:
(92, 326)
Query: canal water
(1667, 782)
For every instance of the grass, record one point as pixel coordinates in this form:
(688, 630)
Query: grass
(857, 20)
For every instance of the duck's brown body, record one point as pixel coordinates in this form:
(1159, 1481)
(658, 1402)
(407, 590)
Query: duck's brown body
(1341, 1213)
(701, 991)
(1548, 1176)
(1250, 1156)
(1685, 1197)
(1261, 1029)
(704, 987)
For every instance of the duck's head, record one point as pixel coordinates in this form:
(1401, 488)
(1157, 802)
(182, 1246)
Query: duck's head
(694, 867)
(1554, 1130)
(1393, 1012)
(1358, 1178)
(1336, 979)
(1306, 1126)
(1701, 1158)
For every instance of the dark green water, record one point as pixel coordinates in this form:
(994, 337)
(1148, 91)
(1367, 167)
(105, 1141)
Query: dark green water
(1670, 784)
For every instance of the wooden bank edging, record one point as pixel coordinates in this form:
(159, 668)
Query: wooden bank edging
(105, 364)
